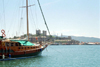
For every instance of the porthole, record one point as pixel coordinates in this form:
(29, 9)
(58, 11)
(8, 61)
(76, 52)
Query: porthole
(19, 48)
(16, 44)
(12, 44)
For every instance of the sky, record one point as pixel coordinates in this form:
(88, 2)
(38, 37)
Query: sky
(66, 17)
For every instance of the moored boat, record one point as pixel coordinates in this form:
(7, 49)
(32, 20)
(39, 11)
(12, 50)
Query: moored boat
(11, 48)
(19, 48)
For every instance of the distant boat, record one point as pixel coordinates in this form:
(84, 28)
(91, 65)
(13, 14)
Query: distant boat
(20, 48)
(91, 43)
(55, 44)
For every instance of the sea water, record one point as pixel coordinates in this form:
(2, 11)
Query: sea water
(61, 56)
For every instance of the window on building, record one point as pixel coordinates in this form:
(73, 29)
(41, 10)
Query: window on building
(25, 47)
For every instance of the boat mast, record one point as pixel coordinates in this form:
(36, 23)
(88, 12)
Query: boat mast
(27, 19)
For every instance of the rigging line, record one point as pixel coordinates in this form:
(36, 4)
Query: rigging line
(14, 31)
(32, 17)
(43, 17)
(22, 9)
(21, 18)
(7, 3)
(0, 23)
(5, 7)
(20, 25)
(4, 13)
(32, 14)
(36, 15)
(57, 51)
(60, 53)
(9, 29)
(34, 22)
(1, 15)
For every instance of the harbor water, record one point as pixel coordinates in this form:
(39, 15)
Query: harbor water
(61, 56)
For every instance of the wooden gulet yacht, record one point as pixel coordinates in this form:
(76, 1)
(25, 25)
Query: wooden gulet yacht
(20, 48)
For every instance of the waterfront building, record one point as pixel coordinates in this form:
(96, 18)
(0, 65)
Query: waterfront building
(44, 33)
(55, 39)
(66, 40)
(38, 32)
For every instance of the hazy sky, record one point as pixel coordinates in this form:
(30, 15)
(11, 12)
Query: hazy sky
(67, 17)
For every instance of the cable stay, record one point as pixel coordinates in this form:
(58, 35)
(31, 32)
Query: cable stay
(44, 17)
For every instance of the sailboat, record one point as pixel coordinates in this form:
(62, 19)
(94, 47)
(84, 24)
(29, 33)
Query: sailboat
(20, 48)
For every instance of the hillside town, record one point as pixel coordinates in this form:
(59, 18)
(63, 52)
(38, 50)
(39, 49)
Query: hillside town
(55, 40)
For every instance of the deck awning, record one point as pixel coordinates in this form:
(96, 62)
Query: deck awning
(24, 42)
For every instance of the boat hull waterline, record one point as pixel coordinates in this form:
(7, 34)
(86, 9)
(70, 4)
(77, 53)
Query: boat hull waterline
(23, 54)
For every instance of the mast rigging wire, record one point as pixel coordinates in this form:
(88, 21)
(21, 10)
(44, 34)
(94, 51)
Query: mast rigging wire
(4, 7)
(43, 17)
(4, 14)
(36, 15)
(32, 16)
(21, 19)
(12, 25)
